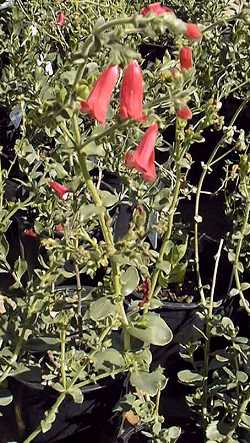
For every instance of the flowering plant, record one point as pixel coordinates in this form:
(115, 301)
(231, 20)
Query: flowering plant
(95, 110)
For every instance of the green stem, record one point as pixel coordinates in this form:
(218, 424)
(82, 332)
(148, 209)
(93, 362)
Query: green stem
(16, 352)
(63, 345)
(97, 378)
(171, 214)
(50, 415)
(208, 339)
(62, 396)
(237, 255)
(103, 220)
(198, 195)
(91, 41)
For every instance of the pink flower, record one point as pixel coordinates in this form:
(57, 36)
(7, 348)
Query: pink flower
(131, 97)
(142, 159)
(192, 32)
(184, 112)
(98, 101)
(30, 233)
(60, 19)
(61, 190)
(186, 59)
(156, 9)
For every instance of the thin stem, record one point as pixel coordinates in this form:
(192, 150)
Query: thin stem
(16, 351)
(104, 133)
(198, 195)
(215, 278)
(97, 378)
(63, 345)
(208, 337)
(50, 415)
(171, 214)
(79, 288)
(237, 256)
(103, 220)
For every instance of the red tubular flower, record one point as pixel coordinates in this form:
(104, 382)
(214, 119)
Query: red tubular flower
(184, 113)
(186, 59)
(98, 101)
(131, 97)
(61, 190)
(60, 19)
(30, 233)
(192, 32)
(156, 9)
(142, 159)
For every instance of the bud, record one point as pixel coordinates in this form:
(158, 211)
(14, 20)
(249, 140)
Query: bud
(184, 113)
(186, 59)
(192, 32)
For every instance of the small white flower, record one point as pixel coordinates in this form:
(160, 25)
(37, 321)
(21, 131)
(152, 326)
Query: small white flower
(40, 60)
(34, 30)
(49, 69)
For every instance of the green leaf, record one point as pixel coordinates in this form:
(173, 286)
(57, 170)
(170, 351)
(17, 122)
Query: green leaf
(20, 267)
(213, 433)
(88, 211)
(129, 280)
(58, 387)
(77, 395)
(148, 383)
(245, 419)
(93, 149)
(189, 377)
(162, 199)
(178, 252)
(242, 376)
(171, 434)
(152, 329)
(101, 308)
(108, 199)
(5, 397)
(42, 344)
(57, 171)
(4, 247)
(165, 266)
(178, 273)
(106, 360)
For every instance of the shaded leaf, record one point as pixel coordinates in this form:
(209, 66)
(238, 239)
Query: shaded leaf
(152, 329)
(101, 308)
(189, 377)
(148, 382)
(77, 395)
(129, 280)
(108, 359)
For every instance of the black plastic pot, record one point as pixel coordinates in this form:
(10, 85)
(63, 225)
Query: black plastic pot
(31, 400)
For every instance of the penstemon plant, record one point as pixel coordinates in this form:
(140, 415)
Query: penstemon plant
(84, 108)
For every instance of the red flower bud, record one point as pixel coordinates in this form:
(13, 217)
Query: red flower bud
(192, 32)
(131, 97)
(61, 190)
(99, 99)
(30, 233)
(60, 19)
(186, 59)
(156, 9)
(143, 158)
(184, 113)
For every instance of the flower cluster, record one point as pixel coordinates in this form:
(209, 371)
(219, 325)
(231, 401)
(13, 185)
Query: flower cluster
(131, 97)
